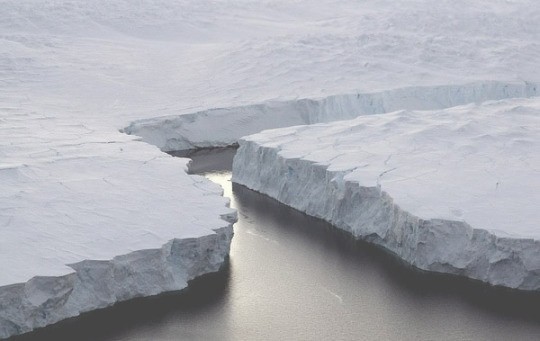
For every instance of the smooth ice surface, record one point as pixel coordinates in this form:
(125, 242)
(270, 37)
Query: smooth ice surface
(425, 184)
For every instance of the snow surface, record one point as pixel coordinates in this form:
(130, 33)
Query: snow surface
(455, 190)
(113, 62)
(69, 194)
(74, 72)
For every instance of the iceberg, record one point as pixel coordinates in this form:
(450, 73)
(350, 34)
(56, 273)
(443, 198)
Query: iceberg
(453, 191)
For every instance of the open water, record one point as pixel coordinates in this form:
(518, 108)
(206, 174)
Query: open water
(293, 277)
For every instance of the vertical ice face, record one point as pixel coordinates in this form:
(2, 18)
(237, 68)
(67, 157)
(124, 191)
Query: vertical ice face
(452, 191)
(95, 284)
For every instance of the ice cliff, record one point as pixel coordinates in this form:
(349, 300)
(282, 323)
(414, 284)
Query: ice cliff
(89, 219)
(453, 191)
(224, 126)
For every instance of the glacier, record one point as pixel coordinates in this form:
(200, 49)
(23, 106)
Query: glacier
(453, 191)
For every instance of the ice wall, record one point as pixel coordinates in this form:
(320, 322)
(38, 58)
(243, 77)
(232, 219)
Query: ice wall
(95, 284)
(89, 217)
(453, 191)
(224, 126)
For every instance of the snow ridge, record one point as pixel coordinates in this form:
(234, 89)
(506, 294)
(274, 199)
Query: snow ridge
(191, 131)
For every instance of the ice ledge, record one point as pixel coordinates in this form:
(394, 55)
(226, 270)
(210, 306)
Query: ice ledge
(223, 127)
(98, 284)
(90, 217)
(319, 170)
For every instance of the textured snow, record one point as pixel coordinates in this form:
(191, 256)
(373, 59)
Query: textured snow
(184, 74)
(116, 62)
(455, 190)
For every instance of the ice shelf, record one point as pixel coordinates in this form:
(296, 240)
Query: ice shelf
(224, 126)
(80, 201)
(453, 191)
(89, 219)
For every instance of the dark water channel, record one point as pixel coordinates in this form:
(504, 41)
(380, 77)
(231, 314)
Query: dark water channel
(292, 277)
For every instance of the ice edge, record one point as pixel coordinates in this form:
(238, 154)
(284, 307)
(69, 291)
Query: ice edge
(370, 214)
(95, 284)
(199, 130)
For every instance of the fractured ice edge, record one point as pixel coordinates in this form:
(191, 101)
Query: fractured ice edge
(99, 284)
(224, 126)
(90, 219)
(452, 191)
